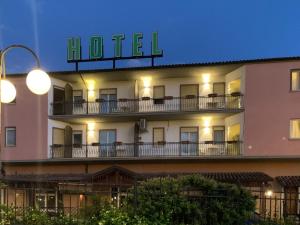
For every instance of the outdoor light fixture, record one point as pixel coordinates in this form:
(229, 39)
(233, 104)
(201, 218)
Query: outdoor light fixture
(269, 193)
(38, 81)
(8, 91)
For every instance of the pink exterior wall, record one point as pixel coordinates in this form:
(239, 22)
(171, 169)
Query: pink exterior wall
(30, 117)
(269, 105)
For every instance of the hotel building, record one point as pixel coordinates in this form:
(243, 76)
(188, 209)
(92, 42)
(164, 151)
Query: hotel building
(104, 130)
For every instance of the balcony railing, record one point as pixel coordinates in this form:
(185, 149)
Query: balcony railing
(147, 150)
(189, 103)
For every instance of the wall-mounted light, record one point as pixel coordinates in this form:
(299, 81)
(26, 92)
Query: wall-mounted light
(146, 82)
(80, 197)
(206, 78)
(207, 125)
(91, 129)
(91, 93)
(205, 81)
(91, 126)
(269, 193)
(146, 86)
(91, 88)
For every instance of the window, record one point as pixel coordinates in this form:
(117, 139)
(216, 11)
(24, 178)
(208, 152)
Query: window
(219, 134)
(295, 128)
(77, 138)
(158, 135)
(158, 94)
(45, 200)
(10, 136)
(295, 81)
(219, 88)
(78, 102)
(107, 139)
(77, 96)
(189, 140)
(109, 100)
(58, 136)
(189, 134)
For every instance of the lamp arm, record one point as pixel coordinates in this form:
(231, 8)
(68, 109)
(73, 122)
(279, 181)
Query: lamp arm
(5, 50)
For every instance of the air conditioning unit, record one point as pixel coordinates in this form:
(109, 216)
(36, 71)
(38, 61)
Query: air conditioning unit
(143, 125)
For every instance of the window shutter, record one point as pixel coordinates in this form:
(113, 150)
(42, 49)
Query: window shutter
(158, 135)
(158, 92)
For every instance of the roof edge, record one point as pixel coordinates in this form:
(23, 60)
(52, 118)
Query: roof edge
(169, 66)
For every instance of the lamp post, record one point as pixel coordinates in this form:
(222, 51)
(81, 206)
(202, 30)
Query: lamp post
(37, 81)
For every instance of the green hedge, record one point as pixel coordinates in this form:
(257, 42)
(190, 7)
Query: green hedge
(166, 201)
(191, 200)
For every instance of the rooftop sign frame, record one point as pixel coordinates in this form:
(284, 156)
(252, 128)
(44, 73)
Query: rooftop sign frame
(96, 49)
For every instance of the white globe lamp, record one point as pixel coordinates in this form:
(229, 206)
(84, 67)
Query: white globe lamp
(8, 91)
(38, 81)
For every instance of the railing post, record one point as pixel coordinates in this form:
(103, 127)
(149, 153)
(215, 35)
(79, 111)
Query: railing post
(87, 107)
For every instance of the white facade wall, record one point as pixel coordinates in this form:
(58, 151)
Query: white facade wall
(125, 130)
(238, 74)
(126, 89)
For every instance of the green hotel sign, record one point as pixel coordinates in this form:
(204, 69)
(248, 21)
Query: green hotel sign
(96, 48)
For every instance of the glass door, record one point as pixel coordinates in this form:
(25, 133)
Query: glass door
(189, 141)
(58, 101)
(108, 100)
(78, 150)
(107, 139)
(78, 102)
(189, 97)
(219, 90)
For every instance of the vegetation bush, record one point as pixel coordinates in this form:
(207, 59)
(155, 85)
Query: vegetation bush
(115, 216)
(166, 201)
(7, 215)
(34, 217)
(63, 220)
(190, 200)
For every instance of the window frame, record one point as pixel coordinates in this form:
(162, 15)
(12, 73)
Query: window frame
(213, 134)
(188, 127)
(164, 135)
(78, 90)
(77, 132)
(291, 82)
(158, 101)
(45, 195)
(292, 138)
(57, 128)
(6, 129)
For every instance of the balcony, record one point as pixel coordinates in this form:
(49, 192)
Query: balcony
(148, 150)
(169, 104)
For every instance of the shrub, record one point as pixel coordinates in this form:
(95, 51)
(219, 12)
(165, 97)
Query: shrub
(115, 216)
(63, 220)
(110, 215)
(190, 200)
(7, 215)
(34, 217)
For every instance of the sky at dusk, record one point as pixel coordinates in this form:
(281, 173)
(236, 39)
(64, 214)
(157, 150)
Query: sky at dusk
(189, 31)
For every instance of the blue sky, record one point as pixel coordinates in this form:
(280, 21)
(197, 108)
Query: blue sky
(189, 31)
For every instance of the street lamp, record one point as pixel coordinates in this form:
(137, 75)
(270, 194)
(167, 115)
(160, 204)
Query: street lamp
(37, 80)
